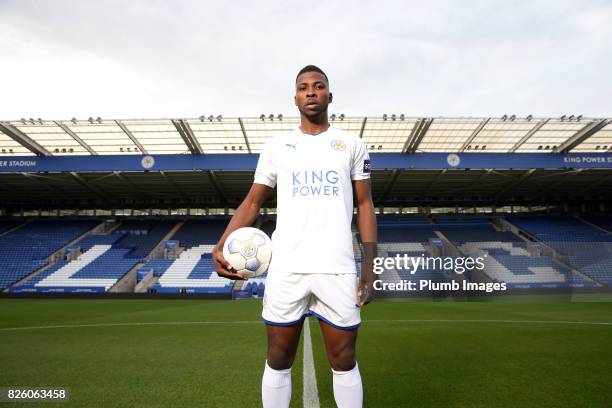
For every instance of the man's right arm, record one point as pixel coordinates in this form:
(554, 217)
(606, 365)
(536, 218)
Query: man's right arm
(245, 216)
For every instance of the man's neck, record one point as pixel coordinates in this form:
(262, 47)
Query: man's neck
(314, 127)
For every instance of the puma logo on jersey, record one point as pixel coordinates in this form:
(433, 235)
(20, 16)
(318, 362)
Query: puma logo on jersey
(291, 145)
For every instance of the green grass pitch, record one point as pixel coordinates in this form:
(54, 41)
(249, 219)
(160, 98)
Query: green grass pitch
(182, 353)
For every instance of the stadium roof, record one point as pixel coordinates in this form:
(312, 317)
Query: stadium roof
(387, 133)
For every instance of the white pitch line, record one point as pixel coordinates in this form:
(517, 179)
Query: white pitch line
(74, 326)
(310, 396)
(485, 321)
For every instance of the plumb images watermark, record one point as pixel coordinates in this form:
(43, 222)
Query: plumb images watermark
(412, 264)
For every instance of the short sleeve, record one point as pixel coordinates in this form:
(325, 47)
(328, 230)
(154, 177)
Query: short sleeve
(360, 167)
(266, 166)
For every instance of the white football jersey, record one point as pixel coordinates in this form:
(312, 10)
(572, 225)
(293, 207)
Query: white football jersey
(313, 176)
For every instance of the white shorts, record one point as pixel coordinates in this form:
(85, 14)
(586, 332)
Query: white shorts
(290, 297)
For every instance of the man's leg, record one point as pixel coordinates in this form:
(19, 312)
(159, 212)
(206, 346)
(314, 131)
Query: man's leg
(340, 349)
(276, 383)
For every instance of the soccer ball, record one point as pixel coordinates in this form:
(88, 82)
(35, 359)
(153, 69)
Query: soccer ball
(248, 250)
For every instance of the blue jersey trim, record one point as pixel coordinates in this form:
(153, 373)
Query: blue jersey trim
(335, 326)
(311, 313)
(271, 323)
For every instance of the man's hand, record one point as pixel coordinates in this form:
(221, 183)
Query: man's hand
(365, 291)
(223, 268)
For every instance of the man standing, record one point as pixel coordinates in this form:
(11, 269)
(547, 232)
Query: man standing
(319, 172)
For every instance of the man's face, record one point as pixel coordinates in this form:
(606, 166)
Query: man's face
(312, 94)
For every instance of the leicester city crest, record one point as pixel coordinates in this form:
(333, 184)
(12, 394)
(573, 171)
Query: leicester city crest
(453, 160)
(338, 145)
(147, 162)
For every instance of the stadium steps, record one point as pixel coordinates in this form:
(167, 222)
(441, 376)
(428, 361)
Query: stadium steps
(448, 244)
(113, 227)
(148, 281)
(54, 257)
(455, 251)
(127, 283)
(16, 227)
(551, 252)
(356, 247)
(525, 236)
(239, 285)
(60, 252)
(158, 251)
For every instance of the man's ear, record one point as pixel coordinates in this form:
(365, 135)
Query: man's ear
(330, 97)
(295, 100)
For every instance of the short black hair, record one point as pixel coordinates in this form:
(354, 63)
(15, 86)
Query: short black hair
(312, 68)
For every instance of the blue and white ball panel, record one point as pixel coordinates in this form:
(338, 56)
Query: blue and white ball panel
(234, 246)
(252, 264)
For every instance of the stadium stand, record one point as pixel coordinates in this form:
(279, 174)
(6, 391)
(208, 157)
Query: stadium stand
(8, 224)
(409, 235)
(97, 269)
(507, 258)
(27, 248)
(193, 270)
(601, 221)
(583, 246)
(197, 232)
(142, 235)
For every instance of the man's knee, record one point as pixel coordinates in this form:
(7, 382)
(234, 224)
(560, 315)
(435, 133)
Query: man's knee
(279, 357)
(342, 358)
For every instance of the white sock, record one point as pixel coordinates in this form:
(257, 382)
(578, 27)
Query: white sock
(348, 391)
(276, 387)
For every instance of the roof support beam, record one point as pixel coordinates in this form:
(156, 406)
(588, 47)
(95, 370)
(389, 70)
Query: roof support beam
(474, 134)
(389, 185)
(131, 136)
(189, 138)
(212, 176)
(38, 179)
(96, 190)
(173, 184)
(418, 132)
(246, 139)
(434, 181)
(595, 184)
(474, 183)
(583, 134)
(129, 183)
(560, 180)
(534, 129)
(363, 125)
(516, 183)
(76, 137)
(23, 139)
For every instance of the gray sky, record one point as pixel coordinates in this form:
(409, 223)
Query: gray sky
(149, 59)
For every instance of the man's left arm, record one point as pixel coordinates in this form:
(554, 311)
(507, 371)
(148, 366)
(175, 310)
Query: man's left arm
(366, 222)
